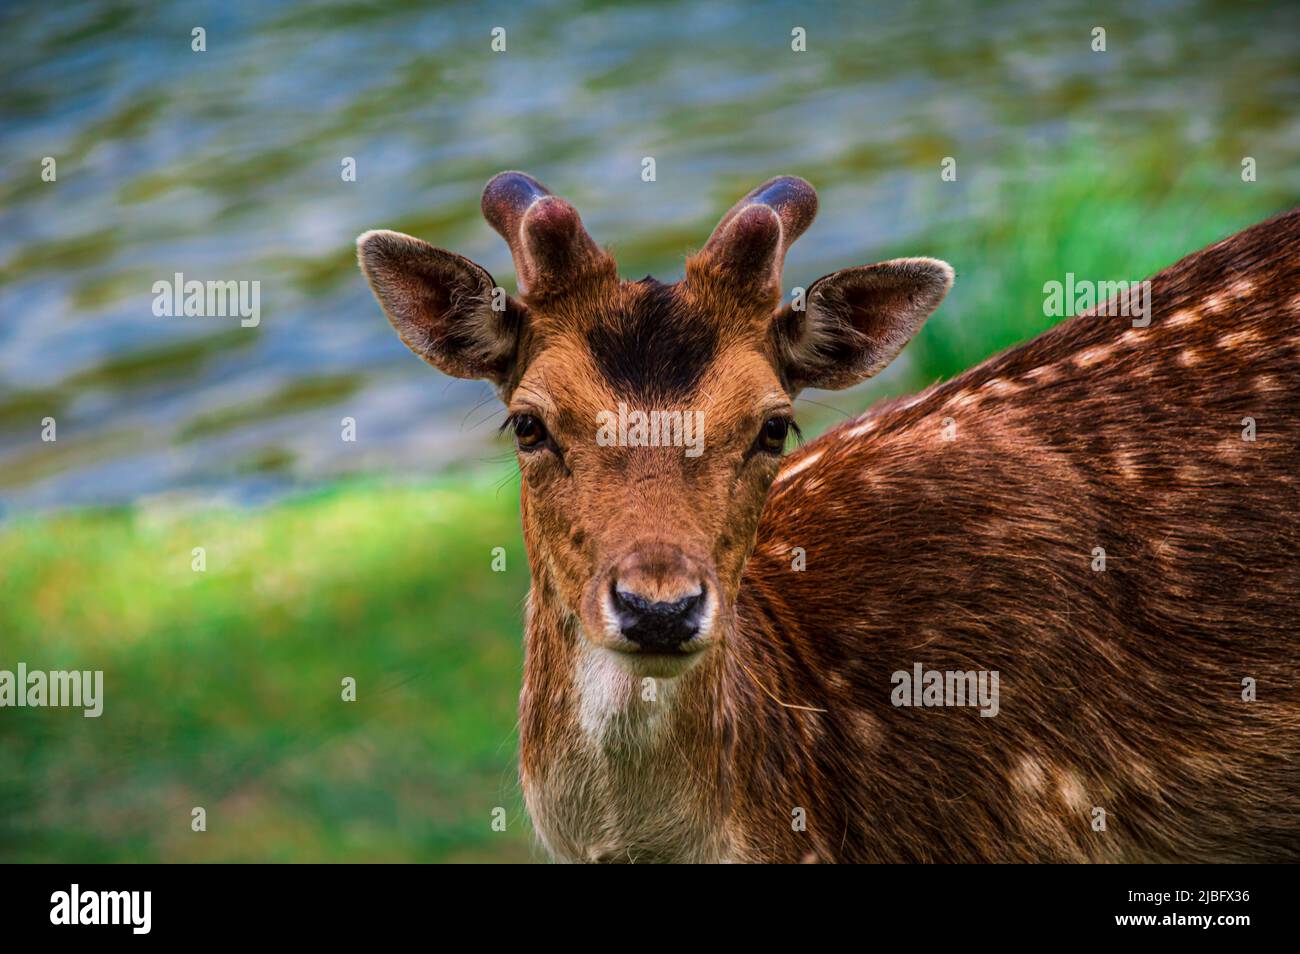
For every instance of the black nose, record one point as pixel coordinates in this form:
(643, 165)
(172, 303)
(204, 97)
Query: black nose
(657, 627)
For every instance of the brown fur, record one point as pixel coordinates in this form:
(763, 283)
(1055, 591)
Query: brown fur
(954, 530)
(975, 553)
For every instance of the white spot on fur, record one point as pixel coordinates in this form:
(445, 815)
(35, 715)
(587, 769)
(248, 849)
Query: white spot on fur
(1028, 775)
(1232, 449)
(1073, 792)
(1183, 316)
(865, 726)
(1188, 357)
(961, 400)
(860, 429)
(798, 467)
(1236, 339)
(1241, 288)
(1091, 356)
(1000, 386)
(1046, 373)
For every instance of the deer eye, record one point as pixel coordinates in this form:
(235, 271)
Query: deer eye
(530, 433)
(772, 437)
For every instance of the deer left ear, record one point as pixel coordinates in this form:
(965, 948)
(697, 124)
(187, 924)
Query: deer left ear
(855, 321)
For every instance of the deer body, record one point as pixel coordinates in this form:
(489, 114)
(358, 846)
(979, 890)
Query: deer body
(954, 531)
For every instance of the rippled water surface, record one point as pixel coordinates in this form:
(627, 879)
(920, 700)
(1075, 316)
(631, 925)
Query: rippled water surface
(226, 165)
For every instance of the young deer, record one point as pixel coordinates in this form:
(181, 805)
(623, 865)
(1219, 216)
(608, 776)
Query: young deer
(717, 644)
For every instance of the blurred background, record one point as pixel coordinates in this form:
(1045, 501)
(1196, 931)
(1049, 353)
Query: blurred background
(372, 559)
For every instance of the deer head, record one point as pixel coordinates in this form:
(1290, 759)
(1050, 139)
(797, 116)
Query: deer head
(650, 418)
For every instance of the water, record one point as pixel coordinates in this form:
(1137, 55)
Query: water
(225, 165)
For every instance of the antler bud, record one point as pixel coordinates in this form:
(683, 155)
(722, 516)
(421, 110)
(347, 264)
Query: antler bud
(545, 233)
(751, 241)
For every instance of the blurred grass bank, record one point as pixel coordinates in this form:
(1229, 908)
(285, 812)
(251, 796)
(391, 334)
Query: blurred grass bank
(223, 688)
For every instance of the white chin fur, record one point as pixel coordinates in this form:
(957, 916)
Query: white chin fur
(624, 697)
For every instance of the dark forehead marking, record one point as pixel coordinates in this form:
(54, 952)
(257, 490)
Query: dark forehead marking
(653, 347)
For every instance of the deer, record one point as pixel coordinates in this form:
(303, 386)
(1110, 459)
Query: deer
(728, 656)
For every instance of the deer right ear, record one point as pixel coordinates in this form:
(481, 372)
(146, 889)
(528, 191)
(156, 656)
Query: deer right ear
(855, 321)
(443, 306)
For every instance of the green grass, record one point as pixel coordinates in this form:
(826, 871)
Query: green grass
(1104, 215)
(1104, 212)
(223, 688)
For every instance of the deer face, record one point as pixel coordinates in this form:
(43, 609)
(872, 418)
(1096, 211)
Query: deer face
(650, 419)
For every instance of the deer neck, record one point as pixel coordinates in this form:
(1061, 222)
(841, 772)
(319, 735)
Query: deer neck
(616, 767)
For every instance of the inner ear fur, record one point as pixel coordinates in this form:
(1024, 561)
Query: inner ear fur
(442, 305)
(855, 321)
